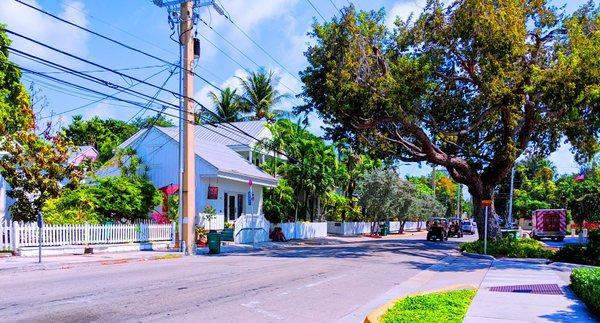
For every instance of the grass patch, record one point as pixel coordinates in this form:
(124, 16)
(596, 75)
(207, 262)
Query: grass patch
(448, 306)
(585, 282)
(509, 247)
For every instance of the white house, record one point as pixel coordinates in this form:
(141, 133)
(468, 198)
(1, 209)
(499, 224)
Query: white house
(226, 161)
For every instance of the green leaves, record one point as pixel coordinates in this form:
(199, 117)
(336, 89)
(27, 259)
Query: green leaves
(109, 199)
(104, 135)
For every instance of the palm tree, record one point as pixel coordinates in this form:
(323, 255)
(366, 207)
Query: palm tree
(260, 95)
(228, 106)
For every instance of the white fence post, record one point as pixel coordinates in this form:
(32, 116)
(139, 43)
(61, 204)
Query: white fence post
(14, 236)
(86, 233)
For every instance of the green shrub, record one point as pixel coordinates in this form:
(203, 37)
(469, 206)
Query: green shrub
(449, 306)
(509, 247)
(581, 254)
(585, 283)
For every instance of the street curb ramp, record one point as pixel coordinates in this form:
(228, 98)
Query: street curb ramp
(373, 316)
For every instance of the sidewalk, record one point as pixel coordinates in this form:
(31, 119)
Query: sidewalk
(452, 271)
(521, 303)
(11, 264)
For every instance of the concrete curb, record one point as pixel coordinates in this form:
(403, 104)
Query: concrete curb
(568, 265)
(373, 316)
(478, 256)
(100, 262)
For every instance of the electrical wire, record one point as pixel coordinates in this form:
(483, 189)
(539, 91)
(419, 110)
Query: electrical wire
(333, 4)
(317, 10)
(238, 49)
(102, 82)
(146, 54)
(228, 17)
(99, 81)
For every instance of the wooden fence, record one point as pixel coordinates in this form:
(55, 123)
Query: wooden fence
(15, 235)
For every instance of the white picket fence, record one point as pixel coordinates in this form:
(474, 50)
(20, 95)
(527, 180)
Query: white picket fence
(302, 230)
(358, 228)
(5, 234)
(27, 234)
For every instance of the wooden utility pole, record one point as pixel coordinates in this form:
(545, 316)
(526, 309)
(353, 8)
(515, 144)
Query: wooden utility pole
(189, 165)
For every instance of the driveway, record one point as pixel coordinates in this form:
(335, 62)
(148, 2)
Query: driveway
(300, 283)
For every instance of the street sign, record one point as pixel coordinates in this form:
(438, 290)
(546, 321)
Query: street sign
(486, 202)
(250, 197)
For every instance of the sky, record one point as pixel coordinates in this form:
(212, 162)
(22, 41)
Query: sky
(279, 26)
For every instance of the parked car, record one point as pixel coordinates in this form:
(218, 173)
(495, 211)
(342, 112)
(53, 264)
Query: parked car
(469, 226)
(549, 223)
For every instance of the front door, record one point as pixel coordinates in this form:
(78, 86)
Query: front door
(232, 207)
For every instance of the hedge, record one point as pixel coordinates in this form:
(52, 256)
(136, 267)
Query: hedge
(509, 247)
(585, 282)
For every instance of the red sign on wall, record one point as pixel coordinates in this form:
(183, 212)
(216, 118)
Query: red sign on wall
(213, 192)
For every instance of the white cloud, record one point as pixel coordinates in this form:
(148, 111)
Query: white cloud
(404, 9)
(46, 29)
(247, 15)
(232, 82)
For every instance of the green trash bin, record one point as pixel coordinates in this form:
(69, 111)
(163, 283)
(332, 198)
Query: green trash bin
(214, 242)
(514, 234)
(383, 230)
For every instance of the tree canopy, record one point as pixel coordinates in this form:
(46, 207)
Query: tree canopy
(468, 86)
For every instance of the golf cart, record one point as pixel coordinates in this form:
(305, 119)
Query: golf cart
(455, 229)
(437, 229)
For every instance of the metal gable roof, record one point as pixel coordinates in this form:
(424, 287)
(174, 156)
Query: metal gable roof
(225, 160)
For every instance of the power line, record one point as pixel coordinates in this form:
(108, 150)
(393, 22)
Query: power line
(144, 53)
(116, 69)
(317, 10)
(102, 82)
(236, 48)
(99, 99)
(260, 47)
(333, 4)
(97, 80)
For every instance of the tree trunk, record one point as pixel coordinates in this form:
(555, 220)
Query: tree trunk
(486, 193)
(402, 223)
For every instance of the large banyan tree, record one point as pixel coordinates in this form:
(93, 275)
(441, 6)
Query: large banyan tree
(468, 85)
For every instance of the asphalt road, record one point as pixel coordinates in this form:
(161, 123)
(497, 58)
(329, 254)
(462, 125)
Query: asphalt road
(306, 283)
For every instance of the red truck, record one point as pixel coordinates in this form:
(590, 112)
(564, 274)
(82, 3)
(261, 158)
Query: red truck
(549, 223)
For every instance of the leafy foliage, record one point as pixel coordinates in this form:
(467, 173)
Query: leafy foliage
(260, 95)
(509, 247)
(468, 85)
(35, 169)
(229, 107)
(384, 195)
(104, 135)
(34, 160)
(15, 108)
(311, 169)
(278, 203)
(145, 122)
(109, 199)
(448, 306)
(585, 282)
(446, 192)
(588, 254)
